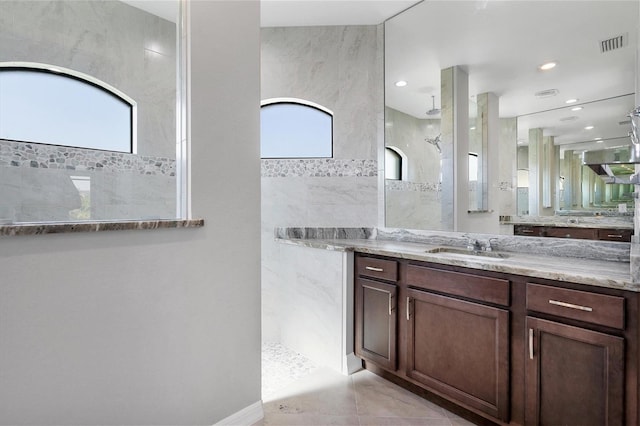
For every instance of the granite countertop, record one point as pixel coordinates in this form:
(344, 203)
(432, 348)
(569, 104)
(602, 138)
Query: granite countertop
(601, 273)
(40, 228)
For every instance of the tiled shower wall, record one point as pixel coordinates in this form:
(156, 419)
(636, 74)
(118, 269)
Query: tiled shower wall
(340, 68)
(51, 183)
(127, 48)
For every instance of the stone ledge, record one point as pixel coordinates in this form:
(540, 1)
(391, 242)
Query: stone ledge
(41, 228)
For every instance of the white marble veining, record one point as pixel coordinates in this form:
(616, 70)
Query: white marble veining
(123, 46)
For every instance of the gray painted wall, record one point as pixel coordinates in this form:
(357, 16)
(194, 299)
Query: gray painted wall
(152, 327)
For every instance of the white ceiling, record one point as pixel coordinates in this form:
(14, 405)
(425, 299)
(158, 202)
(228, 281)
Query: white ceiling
(501, 43)
(289, 13)
(293, 13)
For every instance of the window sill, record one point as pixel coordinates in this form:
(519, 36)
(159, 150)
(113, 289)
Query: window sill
(40, 228)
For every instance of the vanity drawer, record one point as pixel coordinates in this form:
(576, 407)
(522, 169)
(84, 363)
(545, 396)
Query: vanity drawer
(623, 235)
(570, 232)
(579, 305)
(484, 289)
(377, 268)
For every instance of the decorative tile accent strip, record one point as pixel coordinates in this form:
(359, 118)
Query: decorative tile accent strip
(318, 167)
(505, 186)
(67, 227)
(26, 154)
(400, 185)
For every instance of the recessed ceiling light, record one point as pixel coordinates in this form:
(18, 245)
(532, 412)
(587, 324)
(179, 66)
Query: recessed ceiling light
(576, 108)
(570, 101)
(597, 139)
(588, 128)
(473, 128)
(401, 83)
(547, 66)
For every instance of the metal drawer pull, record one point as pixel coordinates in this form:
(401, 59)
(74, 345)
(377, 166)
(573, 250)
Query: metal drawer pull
(408, 302)
(371, 268)
(614, 235)
(531, 343)
(390, 303)
(570, 305)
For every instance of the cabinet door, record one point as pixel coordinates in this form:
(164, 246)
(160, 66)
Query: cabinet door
(375, 320)
(460, 349)
(574, 376)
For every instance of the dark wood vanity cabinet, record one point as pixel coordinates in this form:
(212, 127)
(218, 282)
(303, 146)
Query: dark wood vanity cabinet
(376, 311)
(500, 347)
(574, 376)
(602, 234)
(460, 349)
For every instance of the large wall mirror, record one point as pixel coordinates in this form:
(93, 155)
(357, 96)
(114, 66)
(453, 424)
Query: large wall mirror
(491, 108)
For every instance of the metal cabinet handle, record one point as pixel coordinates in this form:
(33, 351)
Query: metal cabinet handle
(390, 304)
(371, 268)
(408, 303)
(614, 235)
(531, 343)
(526, 231)
(570, 305)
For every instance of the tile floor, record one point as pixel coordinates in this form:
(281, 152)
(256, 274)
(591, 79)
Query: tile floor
(321, 396)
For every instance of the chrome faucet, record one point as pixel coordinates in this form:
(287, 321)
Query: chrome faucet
(489, 246)
(474, 245)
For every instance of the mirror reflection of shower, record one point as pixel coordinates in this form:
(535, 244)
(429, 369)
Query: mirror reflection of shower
(435, 142)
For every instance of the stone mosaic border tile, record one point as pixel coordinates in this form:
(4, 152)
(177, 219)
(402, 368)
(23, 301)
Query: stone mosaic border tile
(318, 167)
(397, 185)
(35, 155)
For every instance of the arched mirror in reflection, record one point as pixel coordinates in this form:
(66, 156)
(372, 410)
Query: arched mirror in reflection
(495, 114)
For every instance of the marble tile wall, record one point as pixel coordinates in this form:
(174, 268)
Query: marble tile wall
(339, 67)
(123, 46)
(127, 48)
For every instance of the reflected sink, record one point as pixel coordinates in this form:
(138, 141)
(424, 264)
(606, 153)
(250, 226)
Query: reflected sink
(467, 253)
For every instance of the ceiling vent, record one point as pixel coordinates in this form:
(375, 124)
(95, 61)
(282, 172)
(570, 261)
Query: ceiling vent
(614, 43)
(571, 118)
(546, 93)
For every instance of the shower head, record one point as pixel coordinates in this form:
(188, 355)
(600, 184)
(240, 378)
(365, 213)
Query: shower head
(433, 110)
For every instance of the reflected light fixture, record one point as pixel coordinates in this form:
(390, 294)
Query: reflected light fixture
(547, 66)
(401, 83)
(570, 101)
(576, 108)
(588, 127)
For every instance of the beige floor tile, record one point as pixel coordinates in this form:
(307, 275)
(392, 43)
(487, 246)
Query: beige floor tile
(377, 397)
(459, 421)
(324, 392)
(402, 421)
(275, 419)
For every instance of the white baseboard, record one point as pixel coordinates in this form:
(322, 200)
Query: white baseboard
(350, 364)
(245, 417)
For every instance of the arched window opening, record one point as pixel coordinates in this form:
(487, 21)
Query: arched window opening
(52, 105)
(295, 128)
(392, 164)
